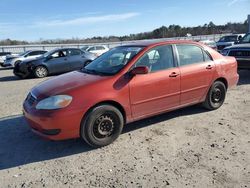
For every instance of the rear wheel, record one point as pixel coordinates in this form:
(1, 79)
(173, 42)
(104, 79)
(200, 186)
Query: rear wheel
(215, 96)
(102, 125)
(40, 72)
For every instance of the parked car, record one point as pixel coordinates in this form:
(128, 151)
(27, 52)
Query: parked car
(54, 62)
(228, 40)
(3, 57)
(98, 49)
(242, 54)
(210, 43)
(12, 60)
(126, 84)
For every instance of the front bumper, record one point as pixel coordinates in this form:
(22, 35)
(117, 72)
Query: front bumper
(21, 71)
(243, 63)
(4, 64)
(53, 124)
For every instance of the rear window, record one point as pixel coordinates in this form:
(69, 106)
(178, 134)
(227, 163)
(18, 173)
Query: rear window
(73, 52)
(100, 48)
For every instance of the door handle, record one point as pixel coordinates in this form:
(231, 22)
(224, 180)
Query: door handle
(173, 74)
(209, 67)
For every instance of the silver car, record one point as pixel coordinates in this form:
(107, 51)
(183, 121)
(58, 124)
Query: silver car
(12, 60)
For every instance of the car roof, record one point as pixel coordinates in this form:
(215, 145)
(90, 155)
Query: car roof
(65, 48)
(153, 43)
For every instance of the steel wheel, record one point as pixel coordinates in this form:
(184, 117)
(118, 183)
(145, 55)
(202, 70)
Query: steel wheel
(102, 125)
(216, 96)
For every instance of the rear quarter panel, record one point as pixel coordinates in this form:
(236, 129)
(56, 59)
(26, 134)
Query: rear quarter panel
(225, 67)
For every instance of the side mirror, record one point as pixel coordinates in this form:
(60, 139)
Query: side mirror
(139, 70)
(49, 58)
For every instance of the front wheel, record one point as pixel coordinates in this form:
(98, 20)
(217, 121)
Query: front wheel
(86, 63)
(215, 96)
(102, 125)
(40, 72)
(15, 64)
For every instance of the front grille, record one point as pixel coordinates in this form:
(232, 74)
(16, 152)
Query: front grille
(30, 99)
(239, 53)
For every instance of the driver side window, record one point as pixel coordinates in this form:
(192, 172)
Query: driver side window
(157, 59)
(59, 54)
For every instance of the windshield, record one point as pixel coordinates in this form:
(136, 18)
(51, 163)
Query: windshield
(246, 39)
(24, 53)
(112, 61)
(84, 48)
(228, 39)
(49, 53)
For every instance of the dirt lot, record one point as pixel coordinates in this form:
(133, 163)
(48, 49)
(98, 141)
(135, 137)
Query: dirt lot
(186, 148)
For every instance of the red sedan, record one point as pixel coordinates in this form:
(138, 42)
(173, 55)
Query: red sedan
(126, 84)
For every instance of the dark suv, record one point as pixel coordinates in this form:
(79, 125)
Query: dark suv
(241, 51)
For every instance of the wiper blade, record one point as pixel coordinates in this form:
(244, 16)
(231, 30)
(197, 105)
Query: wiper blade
(91, 71)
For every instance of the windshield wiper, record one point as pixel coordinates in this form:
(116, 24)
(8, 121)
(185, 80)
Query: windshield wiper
(95, 72)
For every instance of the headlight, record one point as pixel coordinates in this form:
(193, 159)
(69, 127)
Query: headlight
(54, 102)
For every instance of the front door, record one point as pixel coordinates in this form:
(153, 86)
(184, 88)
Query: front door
(159, 90)
(58, 62)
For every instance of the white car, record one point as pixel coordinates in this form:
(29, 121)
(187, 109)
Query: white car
(3, 57)
(210, 43)
(97, 50)
(12, 60)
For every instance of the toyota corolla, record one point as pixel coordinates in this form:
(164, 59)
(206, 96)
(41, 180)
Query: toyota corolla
(126, 84)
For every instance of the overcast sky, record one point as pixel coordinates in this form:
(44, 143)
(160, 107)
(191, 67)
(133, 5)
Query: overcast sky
(51, 19)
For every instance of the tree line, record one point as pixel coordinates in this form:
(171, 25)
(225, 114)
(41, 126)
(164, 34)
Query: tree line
(162, 32)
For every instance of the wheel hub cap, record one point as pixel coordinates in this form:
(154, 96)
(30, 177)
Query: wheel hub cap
(40, 72)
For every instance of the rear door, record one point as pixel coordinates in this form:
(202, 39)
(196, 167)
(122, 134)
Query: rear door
(76, 59)
(196, 69)
(159, 90)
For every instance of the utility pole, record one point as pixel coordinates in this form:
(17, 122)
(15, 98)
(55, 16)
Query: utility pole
(249, 23)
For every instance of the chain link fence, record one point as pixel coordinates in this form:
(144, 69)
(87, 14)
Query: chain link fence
(22, 48)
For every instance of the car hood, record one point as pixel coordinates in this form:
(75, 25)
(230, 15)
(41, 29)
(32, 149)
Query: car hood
(64, 83)
(224, 43)
(8, 57)
(239, 46)
(29, 59)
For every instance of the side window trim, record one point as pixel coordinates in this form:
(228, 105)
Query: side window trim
(208, 54)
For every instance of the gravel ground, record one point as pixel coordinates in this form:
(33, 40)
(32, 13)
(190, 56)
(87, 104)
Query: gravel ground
(191, 147)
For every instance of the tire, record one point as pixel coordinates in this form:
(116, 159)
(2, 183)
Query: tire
(86, 63)
(40, 72)
(102, 125)
(16, 63)
(215, 96)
